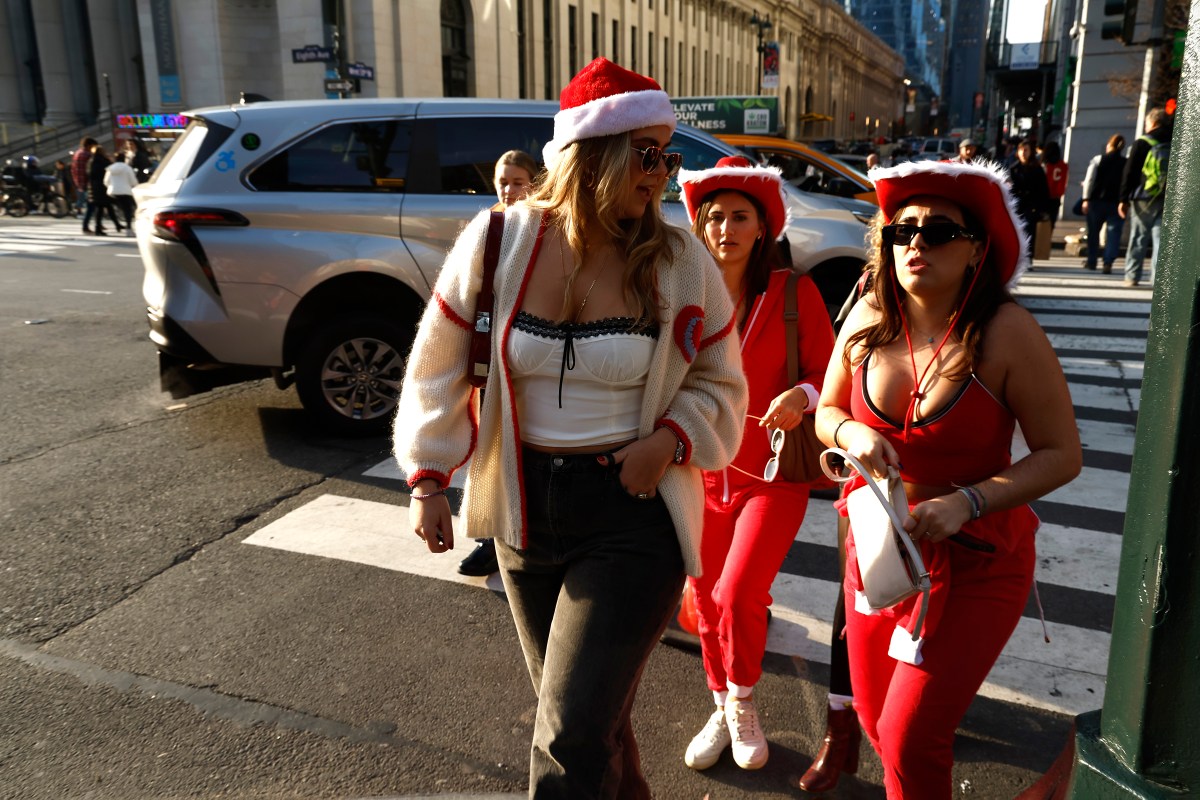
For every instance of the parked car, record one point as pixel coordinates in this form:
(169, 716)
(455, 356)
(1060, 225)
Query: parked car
(301, 239)
(806, 168)
(936, 149)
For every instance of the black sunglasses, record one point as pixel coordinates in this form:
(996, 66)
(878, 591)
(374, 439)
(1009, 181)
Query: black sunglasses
(653, 154)
(935, 234)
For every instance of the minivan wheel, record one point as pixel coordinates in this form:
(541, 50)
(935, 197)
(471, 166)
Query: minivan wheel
(349, 373)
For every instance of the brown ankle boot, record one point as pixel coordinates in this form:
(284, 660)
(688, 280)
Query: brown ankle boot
(838, 753)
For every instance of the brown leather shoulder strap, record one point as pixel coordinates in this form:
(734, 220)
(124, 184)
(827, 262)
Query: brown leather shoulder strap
(790, 319)
(479, 359)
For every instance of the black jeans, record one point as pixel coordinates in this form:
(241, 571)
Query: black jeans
(591, 594)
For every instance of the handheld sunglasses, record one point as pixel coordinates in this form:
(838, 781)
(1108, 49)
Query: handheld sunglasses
(771, 470)
(935, 234)
(653, 154)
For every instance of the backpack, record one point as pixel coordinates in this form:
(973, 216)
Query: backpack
(1154, 168)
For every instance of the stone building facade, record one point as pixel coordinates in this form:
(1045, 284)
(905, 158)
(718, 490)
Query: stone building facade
(836, 79)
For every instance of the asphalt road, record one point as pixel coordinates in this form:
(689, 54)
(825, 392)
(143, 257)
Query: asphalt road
(147, 652)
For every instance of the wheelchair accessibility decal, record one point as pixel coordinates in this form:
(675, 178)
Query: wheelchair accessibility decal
(225, 161)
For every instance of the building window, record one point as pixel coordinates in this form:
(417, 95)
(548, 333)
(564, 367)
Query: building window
(633, 49)
(666, 60)
(682, 84)
(695, 72)
(616, 42)
(573, 39)
(522, 48)
(548, 47)
(595, 35)
(454, 49)
(650, 54)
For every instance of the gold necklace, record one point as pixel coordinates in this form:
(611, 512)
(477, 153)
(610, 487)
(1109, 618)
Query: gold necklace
(579, 313)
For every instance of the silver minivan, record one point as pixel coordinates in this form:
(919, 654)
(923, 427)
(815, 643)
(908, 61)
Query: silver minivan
(301, 239)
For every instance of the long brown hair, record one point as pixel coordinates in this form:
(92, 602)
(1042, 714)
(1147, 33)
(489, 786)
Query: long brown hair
(585, 186)
(985, 298)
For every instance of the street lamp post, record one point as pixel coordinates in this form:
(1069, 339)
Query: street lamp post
(108, 96)
(761, 24)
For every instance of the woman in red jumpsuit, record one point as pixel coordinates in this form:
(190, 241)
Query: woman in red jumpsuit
(932, 370)
(740, 212)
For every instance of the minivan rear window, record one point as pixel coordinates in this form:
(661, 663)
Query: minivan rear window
(199, 140)
(363, 156)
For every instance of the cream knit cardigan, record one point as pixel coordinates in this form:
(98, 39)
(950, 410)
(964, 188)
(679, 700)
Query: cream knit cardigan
(695, 384)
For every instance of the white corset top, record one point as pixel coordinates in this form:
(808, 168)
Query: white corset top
(578, 384)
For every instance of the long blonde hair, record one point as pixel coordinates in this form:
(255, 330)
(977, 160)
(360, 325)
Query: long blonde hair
(585, 186)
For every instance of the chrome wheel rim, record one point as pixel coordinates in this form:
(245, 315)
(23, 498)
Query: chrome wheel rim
(361, 378)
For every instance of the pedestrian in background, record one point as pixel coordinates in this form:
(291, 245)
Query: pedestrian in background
(66, 186)
(1143, 207)
(931, 373)
(513, 177)
(1030, 190)
(79, 176)
(615, 378)
(97, 193)
(1101, 198)
(750, 514)
(967, 150)
(119, 180)
(1056, 179)
(138, 159)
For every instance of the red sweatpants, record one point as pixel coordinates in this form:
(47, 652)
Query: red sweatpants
(746, 537)
(911, 713)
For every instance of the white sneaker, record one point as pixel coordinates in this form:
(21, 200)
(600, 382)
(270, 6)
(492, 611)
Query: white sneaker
(749, 743)
(709, 743)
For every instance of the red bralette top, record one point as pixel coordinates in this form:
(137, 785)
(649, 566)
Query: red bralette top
(967, 440)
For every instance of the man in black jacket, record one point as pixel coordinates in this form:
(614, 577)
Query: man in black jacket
(1145, 212)
(1101, 199)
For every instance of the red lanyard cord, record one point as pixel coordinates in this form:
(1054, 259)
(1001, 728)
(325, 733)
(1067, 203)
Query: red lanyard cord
(916, 395)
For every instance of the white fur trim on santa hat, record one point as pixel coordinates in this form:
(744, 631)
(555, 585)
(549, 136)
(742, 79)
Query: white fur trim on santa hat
(980, 167)
(609, 115)
(728, 175)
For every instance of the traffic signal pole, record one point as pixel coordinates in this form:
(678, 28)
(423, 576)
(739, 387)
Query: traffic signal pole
(1145, 742)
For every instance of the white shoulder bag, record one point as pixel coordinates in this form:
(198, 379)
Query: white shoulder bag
(889, 564)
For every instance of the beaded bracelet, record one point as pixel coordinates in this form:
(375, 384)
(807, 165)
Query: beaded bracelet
(428, 495)
(838, 430)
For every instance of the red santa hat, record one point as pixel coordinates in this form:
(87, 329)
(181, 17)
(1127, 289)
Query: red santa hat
(735, 173)
(605, 99)
(981, 187)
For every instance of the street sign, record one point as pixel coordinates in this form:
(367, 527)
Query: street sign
(339, 86)
(360, 70)
(310, 53)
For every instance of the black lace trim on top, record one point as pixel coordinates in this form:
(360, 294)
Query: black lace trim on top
(538, 326)
(568, 332)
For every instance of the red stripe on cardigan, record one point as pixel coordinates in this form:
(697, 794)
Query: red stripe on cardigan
(508, 326)
(716, 337)
(451, 314)
(673, 426)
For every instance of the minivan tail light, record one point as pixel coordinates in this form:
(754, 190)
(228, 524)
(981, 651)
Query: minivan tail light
(176, 225)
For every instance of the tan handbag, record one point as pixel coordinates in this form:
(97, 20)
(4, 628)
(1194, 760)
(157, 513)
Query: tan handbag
(889, 564)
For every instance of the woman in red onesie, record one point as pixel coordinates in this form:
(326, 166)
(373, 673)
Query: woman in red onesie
(933, 368)
(740, 212)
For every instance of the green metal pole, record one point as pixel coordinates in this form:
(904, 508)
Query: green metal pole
(1146, 741)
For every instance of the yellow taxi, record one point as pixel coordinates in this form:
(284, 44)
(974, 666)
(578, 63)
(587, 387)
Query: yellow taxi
(806, 168)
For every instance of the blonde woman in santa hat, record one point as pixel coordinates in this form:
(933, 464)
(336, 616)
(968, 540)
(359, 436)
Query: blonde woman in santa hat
(932, 370)
(750, 514)
(615, 378)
